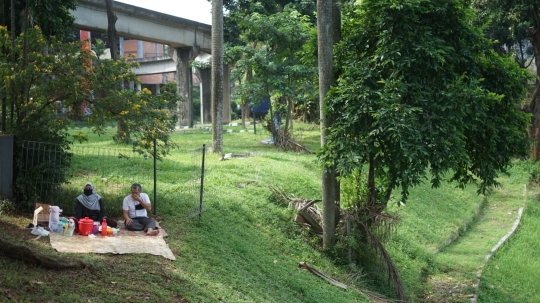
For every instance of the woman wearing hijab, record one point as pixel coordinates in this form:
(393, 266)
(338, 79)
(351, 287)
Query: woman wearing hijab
(90, 205)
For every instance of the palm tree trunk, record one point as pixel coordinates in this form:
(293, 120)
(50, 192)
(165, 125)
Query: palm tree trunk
(217, 76)
(324, 42)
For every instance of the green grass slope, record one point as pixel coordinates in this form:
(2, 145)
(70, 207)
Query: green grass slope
(246, 246)
(511, 275)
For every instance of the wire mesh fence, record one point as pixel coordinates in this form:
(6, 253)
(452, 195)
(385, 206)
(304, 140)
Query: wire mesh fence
(177, 187)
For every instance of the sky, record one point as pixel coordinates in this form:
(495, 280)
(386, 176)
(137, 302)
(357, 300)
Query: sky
(195, 10)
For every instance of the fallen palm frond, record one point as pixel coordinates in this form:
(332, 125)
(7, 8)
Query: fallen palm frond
(379, 227)
(393, 274)
(381, 223)
(304, 265)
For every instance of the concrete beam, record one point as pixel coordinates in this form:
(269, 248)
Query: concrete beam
(156, 65)
(143, 24)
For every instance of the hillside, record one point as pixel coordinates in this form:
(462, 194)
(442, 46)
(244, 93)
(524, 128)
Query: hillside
(246, 247)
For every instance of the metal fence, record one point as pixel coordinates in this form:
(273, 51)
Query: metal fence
(174, 184)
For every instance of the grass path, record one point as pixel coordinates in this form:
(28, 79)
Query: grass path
(461, 262)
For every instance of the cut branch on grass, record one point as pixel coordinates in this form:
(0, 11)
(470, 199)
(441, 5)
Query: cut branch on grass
(284, 141)
(25, 254)
(308, 214)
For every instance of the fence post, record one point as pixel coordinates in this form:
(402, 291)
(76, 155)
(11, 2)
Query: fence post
(155, 186)
(202, 181)
(254, 122)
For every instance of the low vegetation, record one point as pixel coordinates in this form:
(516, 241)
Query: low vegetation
(246, 246)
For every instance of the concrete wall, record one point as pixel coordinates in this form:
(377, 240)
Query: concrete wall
(6, 165)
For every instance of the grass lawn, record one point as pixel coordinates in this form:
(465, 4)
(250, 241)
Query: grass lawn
(246, 247)
(511, 275)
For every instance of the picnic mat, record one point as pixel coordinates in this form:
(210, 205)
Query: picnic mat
(125, 242)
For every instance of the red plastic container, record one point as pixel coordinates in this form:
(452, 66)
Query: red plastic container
(85, 226)
(104, 228)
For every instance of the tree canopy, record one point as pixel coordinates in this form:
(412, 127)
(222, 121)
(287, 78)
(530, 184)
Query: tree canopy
(276, 56)
(52, 16)
(422, 91)
(50, 82)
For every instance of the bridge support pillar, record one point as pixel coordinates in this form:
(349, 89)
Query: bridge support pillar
(206, 95)
(181, 57)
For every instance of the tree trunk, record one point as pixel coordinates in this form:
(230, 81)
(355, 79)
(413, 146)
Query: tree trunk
(12, 103)
(324, 43)
(112, 44)
(25, 254)
(245, 105)
(336, 37)
(534, 128)
(217, 76)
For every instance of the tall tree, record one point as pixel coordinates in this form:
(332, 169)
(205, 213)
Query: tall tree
(275, 62)
(217, 76)
(421, 94)
(516, 26)
(234, 36)
(326, 77)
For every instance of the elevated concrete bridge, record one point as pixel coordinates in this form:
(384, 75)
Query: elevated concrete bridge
(186, 39)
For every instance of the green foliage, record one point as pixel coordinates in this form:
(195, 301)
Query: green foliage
(80, 137)
(52, 16)
(51, 81)
(534, 166)
(509, 23)
(245, 240)
(201, 64)
(421, 90)
(7, 206)
(144, 117)
(274, 53)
